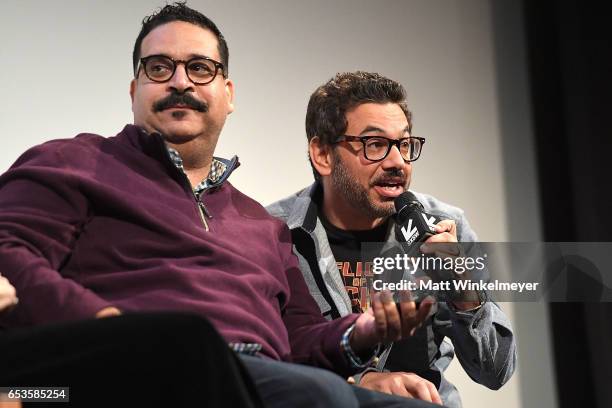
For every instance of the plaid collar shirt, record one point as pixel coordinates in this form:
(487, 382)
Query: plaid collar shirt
(217, 170)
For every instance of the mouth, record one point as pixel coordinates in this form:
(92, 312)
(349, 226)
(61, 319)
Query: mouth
(390, 188)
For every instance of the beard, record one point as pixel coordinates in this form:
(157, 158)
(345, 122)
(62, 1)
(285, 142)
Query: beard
(355, 194)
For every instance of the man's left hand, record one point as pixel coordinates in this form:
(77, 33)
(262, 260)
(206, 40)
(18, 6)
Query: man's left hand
(408, 385)
(444, 245)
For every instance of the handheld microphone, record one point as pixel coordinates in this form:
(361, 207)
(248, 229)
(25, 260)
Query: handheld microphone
(414, 225)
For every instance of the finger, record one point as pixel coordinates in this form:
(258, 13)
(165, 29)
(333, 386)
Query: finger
(447, 250)
(6, 289)
(394, 324)
(409, 312)
(447, 226)
(421, 390)
(384, 388)
(398, 388)
(380, 318)
(444, 243)
(409, 395)
(422, 313)
(433, 391)
(441, 246)
(7, 301)
(441, 238)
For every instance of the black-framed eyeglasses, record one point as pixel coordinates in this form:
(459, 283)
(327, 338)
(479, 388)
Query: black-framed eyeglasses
(377, 148)
(199, 70)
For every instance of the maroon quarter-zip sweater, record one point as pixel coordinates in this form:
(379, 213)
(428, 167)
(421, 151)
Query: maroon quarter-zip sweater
(91, 222)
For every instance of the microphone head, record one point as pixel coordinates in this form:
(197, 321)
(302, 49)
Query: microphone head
(405, 204)
(406, 201)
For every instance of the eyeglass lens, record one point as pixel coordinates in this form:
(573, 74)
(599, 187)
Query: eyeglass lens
(378, 148)
(199, 70)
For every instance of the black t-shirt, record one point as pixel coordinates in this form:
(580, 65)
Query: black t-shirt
(355, 271)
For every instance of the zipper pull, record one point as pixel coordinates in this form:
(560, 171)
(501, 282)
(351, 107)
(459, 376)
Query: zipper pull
(203, 207)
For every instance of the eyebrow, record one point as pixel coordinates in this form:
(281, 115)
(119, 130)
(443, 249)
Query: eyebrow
(377, 129)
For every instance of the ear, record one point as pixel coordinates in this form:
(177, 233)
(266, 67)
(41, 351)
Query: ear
(132, 89)
(320, 156)
(229, 90)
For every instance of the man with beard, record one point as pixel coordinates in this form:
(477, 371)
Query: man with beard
(147, 221)
(361, 149)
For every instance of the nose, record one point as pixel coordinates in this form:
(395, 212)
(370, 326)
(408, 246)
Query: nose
(180, 82)
(393, 160)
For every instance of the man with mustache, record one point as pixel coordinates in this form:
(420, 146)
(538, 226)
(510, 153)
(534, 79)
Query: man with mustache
(147, 221)
(361, 149)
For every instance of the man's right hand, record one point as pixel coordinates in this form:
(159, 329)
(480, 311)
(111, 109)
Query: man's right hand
(384, 323)
(407, 385)
(8, 295)
(108, 312)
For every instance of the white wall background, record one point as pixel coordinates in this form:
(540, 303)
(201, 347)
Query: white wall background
(66, 68)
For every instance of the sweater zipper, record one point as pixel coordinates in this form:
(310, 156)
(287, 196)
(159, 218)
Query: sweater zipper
(204, 213)
(202, 210)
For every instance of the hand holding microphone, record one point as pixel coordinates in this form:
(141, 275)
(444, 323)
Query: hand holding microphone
(416, 226)
(436, 238)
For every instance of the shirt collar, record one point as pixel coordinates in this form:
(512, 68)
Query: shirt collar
(219, 169)
(305, 212)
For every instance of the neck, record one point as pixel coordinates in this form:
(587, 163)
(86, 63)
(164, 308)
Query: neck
(197, 159)
(196, 151)
(344, 216)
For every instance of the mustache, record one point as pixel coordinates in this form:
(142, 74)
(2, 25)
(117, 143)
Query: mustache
(395, 175)
(184, 99)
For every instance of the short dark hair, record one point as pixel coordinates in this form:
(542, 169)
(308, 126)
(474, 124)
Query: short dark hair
(328, 104)
(179, 12)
